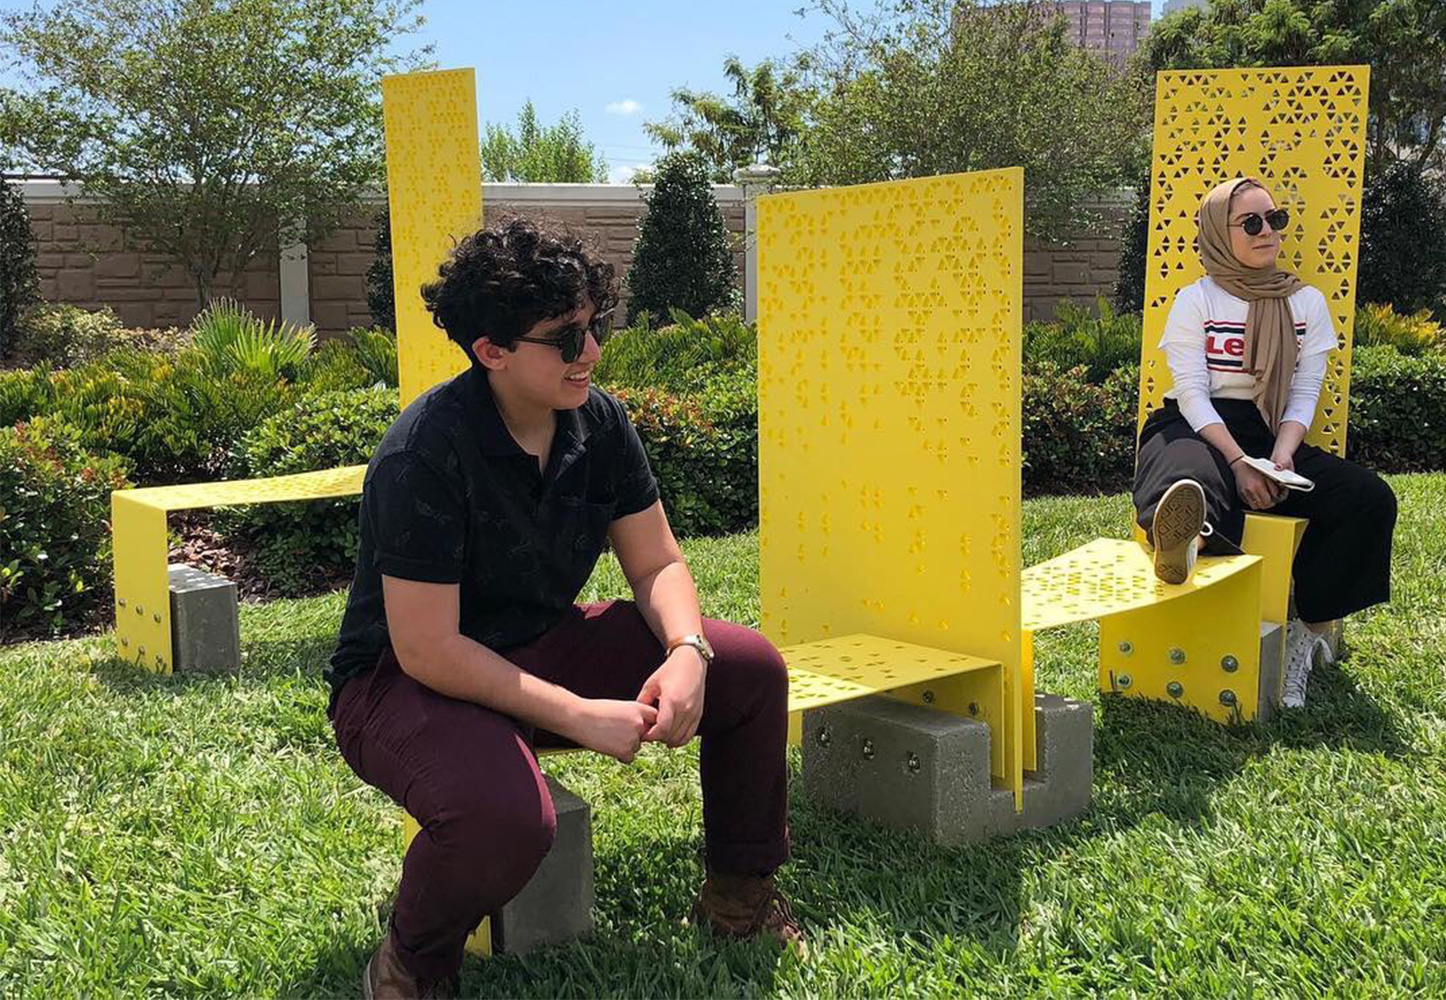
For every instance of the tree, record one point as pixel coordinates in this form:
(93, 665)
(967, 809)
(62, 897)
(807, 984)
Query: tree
(761, 122)
(18, 284)
(381, 293)
(210, 130)
(922, 87)
(1403, 41)
(683, 257)
(1403, 242)
(541, 154)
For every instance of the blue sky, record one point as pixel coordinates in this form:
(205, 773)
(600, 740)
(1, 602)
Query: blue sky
(614, 63)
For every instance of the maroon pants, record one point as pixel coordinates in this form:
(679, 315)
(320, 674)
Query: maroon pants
(470, 778)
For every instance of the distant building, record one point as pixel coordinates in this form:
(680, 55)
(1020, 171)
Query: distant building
(1175, 6)
(1113, 28)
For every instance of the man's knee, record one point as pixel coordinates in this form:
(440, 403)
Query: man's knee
(753, 662)
(1378, 499)
(496, 841)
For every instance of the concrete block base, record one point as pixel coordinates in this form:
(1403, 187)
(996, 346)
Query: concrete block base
(205, 628)
(912, 767)
(1272, 670)
(556, 904)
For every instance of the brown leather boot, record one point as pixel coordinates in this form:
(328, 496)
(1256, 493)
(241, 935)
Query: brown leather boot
(747, 906)
(385, 978)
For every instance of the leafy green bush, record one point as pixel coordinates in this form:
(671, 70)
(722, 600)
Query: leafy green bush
(1079, 436)
(684, 355)
(171, 418)
(1397, 419)
(1102, 343)
(703, 451)
(334, 367)
(63, 335)
(376, 350)
(231, 338)
(24, 393)
(1403, 240)
(54, 528)
(1380, 325)
(300, 544)
(381, 301)
(683, 257)
(19, 286)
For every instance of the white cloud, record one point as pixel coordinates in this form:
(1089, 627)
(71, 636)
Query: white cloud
(626, 107)
(623, 173)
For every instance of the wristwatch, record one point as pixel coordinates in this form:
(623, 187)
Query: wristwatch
(702, 645)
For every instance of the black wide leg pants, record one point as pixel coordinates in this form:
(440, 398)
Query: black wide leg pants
(1344, 560)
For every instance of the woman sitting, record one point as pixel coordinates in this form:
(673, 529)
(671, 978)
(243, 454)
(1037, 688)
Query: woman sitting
(1247, 346)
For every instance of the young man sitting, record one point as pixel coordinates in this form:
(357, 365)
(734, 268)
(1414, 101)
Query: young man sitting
(484, 511)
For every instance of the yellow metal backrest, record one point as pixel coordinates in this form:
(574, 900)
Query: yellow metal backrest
(889, 424)
(434, 190)
(1302, 132)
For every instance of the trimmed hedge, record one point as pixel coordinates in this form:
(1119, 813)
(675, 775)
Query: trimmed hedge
(1079, 437)
(54, 529)
(1397, 420)
(306, 542)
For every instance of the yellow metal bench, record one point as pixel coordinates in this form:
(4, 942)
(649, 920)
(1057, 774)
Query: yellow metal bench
(1198, 644)
(430, 118)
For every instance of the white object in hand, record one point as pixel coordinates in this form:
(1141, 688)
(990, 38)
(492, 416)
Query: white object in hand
(1286, 477)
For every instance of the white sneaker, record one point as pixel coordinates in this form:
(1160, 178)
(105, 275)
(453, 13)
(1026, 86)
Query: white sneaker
(1300, 648)
(1179, 520)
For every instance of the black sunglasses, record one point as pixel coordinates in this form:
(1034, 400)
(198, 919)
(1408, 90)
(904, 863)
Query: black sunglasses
(571, 340)
(1255, 222)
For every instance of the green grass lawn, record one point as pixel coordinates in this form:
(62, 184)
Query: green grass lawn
(203, 836)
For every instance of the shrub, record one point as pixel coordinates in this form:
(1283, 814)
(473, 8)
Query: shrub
(1079, 436)
(232, 339)
(1403, 241)
(381, 302)
(54, 528)
(172, 419)
(1380, 325)
(301, 544)
(681, 356)
(63, 336)
(24, 393)
(376, 350)
(19, 286)
(334, 367)
(683, 257)
(1397, 420)
(704, 453)
(1102, 343)
(1134, 250)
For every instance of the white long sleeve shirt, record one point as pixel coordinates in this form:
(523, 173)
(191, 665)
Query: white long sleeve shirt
(1204, 345)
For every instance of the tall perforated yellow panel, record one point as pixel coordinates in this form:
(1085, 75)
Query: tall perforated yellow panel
(1302, 132)
(434, 190)
(889, 423)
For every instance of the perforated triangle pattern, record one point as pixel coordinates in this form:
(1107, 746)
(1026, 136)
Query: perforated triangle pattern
(1300, 130)
(889, 426)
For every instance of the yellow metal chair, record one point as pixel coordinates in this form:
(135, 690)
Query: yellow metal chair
(430, 118)
(1302, 131)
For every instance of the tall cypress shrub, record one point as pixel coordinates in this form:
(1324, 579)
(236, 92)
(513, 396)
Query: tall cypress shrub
(19, 287)
(683, 257)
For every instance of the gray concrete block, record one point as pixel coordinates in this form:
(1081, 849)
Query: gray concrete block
(556, 904)
(902, 766)
(205, 628)
(1272, 670)
(1064, 740)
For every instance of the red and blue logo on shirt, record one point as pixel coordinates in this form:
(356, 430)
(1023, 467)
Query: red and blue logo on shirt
(1225, 345)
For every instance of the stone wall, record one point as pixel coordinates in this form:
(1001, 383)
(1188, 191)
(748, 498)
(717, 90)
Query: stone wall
(87, 263)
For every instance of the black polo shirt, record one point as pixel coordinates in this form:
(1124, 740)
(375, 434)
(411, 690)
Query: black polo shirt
(450, 497)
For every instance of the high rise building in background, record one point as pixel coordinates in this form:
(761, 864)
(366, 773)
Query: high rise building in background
(1174, 6)
(1113, 28)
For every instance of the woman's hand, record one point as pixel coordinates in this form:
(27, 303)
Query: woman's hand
(615, 728)
(1283, 458)
(1258, 490)
(677, 689)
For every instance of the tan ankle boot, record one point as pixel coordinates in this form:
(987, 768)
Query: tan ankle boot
(746, 906)
(385, 978)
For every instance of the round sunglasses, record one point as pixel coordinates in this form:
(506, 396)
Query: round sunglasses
(571, 340)
(1253, 223)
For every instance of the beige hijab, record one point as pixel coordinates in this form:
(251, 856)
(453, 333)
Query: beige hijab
(1270, 347)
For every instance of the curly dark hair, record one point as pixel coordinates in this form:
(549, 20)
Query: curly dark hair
(508, 276)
